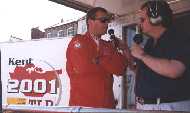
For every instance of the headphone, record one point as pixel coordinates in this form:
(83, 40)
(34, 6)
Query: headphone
(154, 12)
(159, 12)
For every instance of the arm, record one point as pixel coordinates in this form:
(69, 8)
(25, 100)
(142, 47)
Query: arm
(79, 59)
(121, 45)
(166, 67)
(111, 60)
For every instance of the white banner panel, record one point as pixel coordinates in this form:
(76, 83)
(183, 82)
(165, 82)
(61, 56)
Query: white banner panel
(34, 73)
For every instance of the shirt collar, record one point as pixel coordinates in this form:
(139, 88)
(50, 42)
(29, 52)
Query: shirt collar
(95, 38)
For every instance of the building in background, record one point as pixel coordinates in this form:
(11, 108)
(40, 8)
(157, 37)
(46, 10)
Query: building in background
(67, 28)
(63, 29)
(37, 34)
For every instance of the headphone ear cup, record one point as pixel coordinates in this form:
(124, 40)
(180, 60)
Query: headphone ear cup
(155, 21)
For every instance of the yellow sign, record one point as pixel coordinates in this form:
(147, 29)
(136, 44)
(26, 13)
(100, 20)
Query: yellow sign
(16, 101)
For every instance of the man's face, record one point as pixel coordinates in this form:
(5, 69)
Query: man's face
(145, 24)
(100, 24)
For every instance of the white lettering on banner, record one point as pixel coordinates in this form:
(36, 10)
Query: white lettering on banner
(13, 61)
(41, 89)
(53, 87)
(27, 86)
(13, 86)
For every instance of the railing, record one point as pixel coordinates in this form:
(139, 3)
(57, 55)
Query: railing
(78, 109)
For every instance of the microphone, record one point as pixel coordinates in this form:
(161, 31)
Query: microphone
(111, 33)
(113, 38)
(138, 38)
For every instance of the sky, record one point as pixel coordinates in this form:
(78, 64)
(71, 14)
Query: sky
(17, 17)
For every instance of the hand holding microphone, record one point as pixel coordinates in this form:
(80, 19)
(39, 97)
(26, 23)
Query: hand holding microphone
(113, 38)
(117, 42)
(138, 38)
(136, 50)
(122, 46)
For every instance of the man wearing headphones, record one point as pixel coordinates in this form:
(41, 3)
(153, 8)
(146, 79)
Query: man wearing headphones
(164, 63)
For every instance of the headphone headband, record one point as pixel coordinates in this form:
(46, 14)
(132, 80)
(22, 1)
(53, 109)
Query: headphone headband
(159, 12)
(154, 12)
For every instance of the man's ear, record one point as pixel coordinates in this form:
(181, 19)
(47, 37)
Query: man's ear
(90, 22)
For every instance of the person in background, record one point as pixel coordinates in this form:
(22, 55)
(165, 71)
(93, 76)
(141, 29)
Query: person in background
(164, 63)
(91, 63)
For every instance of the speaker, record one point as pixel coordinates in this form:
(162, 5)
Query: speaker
(153, 11)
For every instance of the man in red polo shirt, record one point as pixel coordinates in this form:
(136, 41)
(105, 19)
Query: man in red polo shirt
(91, 62)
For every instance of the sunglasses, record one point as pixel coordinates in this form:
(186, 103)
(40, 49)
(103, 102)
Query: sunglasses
(105, 19)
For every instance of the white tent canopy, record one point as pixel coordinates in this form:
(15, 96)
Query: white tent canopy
(121, 7)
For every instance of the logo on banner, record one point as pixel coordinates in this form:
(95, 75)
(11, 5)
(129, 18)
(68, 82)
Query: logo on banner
(36, 81)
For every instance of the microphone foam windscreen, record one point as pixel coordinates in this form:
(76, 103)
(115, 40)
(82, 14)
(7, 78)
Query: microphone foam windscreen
(110, 31)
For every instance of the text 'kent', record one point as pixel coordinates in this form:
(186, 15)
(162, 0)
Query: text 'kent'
(13, 61)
